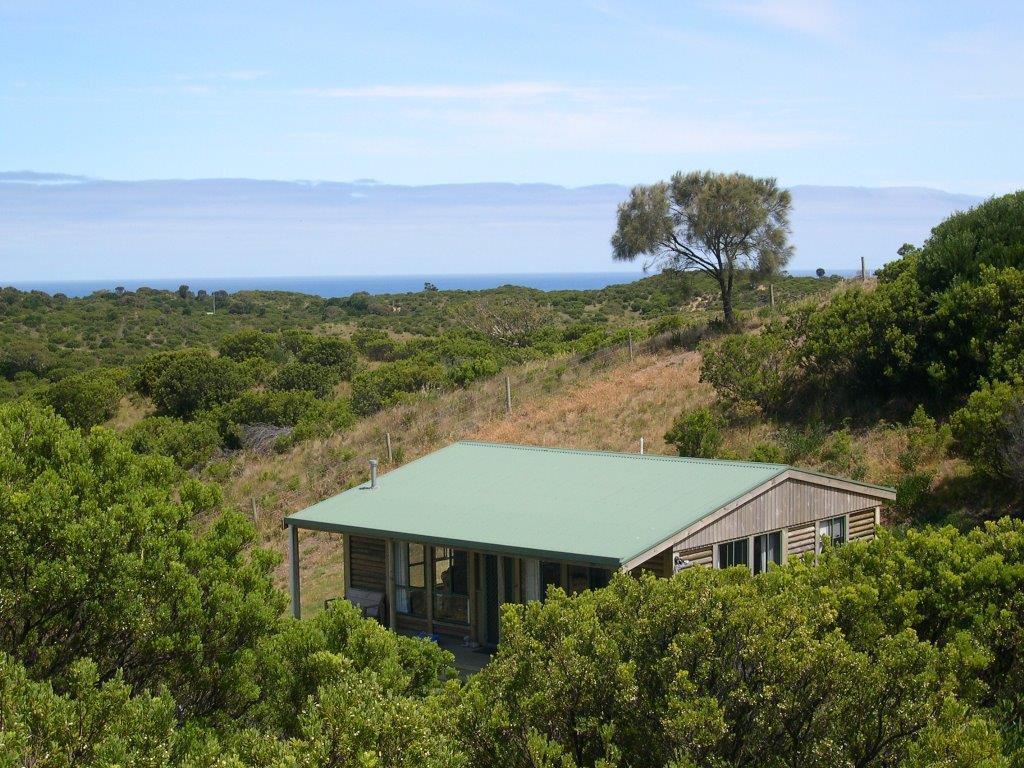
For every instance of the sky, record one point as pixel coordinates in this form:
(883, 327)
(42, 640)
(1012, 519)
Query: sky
(571, 93)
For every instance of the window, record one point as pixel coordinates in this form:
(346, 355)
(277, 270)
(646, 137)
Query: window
(582, 578)
(833, 529)
(767, 550)
(550, 576)
(410, 579)
(732, 553)
(451, 585)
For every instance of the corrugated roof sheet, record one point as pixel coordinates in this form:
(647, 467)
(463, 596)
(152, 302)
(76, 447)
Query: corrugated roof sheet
(588, 506)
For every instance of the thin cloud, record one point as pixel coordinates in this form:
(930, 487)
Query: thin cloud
(232, 75)
(815, 18)
(490, 92)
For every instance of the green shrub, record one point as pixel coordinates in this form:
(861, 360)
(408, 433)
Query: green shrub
(757, 370)
(99, 560)
(376, 344)
(331, 352)
(281, 408)
(980, 427)
(189, 443)
(195, 381)
(309, 377)
(383, 386)
(697, 433)
(87, 399)
(926, 441)
(250, 343)
(768, 453)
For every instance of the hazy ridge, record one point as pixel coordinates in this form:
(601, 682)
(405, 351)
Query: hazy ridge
(64, 226)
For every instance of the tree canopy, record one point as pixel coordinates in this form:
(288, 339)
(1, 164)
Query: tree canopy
(716, 223)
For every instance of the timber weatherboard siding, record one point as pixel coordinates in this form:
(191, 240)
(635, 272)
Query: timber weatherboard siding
(801, 539)
(789, 504)
(861, 525)
(367, 568)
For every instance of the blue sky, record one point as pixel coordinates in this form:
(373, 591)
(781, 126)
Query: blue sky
(867, 93)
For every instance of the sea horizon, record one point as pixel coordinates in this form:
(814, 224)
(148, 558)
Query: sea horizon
(339, 286)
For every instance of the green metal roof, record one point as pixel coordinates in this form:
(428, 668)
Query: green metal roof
(585, 506)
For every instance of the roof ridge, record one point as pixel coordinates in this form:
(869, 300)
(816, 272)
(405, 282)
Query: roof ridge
(623, 454)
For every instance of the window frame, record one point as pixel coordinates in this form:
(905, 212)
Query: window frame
(732, 544)
(844, 523)
(444, 597)
(766, 536)
(404, 578)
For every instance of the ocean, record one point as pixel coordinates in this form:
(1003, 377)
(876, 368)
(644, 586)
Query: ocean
(338, 286)
(342, 285)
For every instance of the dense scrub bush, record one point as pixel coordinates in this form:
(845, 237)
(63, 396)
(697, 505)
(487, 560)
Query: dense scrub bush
(86, 399)
(250, 343)
(752, 370)
(99, 559)
(904, 652)
(195, 381)
(281, 408)
(376, 344)
(20, 356)
(331, 352)
(92, 723)
(982, 426)
(376, 389)
(188, 443)
(305, 377)
(697, 433)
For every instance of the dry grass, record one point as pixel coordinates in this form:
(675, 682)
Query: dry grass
(602, 404)
(605, 403)
(612, 410)
(130, 411)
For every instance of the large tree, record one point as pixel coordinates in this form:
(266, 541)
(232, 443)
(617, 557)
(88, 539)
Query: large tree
(712, 222)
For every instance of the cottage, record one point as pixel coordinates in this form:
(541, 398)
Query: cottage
(439, 544)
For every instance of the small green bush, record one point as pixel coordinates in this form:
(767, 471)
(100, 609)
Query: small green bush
(697, 433)
(331, 352)
(768, 453)
(980, 426)
(250, 343)
(190, 444)
(308, 377)
(87, 399)
(196, 381)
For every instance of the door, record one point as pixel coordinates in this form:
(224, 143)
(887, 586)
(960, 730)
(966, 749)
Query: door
(491, 602)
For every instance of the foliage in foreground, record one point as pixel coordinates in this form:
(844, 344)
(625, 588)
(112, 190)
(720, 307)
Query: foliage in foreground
(904, 652)
(139, 626)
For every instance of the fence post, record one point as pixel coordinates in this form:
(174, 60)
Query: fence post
(641, 446)
(863, 270)
(771, 293)
(387, 437)
(629, 336)
(508, 395)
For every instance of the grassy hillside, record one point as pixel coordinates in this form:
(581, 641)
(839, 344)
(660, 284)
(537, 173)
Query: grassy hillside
(605, 402)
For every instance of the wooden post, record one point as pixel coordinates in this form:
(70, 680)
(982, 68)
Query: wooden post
(500, 572)
(641, 446)
(346, 556)
(771, 294)
(428, 562)
(863, 270)
(389, 582)
(508, 395)
(387, 437)
(473, 602)
(293, 554)
(630, 339)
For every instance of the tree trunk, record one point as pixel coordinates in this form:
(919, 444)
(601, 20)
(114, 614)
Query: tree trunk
(730, 318)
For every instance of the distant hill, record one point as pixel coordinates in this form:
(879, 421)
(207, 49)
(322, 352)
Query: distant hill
(76, 227)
